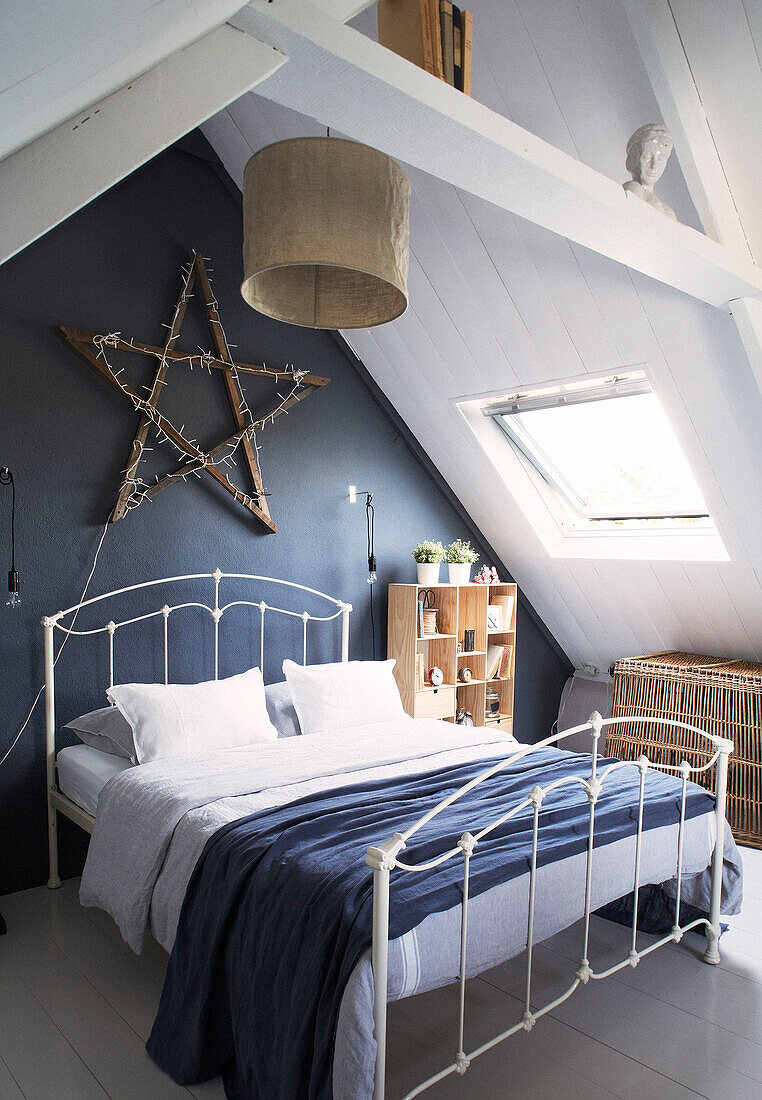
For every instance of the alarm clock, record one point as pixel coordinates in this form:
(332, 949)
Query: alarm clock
(436, 676)
(465, 675)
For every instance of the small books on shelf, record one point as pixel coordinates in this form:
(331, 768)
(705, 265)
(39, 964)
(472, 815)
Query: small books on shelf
(506, 603)
(499, 662)
(433, 34)
(420, 672)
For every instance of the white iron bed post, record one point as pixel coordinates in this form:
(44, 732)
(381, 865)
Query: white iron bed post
(712, 954)
(382, 860)
(48, 623)
(345, 610)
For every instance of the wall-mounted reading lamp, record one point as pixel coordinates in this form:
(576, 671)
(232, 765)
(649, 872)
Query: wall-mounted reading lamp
(370, 520)
(14, 599)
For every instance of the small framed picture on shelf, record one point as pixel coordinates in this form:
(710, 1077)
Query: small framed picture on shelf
(494, 617)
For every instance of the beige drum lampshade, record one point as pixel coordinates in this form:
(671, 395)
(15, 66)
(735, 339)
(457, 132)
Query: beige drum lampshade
(325, 234)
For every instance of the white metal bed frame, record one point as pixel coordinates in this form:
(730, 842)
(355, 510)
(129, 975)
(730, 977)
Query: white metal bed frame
(385, 857)
(57, 802)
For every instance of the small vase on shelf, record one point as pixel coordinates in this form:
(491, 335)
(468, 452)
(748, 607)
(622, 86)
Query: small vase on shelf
(427, 556)
(460, 557)
(428, 573)
(460, 572)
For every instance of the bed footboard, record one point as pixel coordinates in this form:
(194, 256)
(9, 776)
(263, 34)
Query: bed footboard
(385, 857)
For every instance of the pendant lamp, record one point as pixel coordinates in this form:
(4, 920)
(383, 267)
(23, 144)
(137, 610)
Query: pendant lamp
(325, 234)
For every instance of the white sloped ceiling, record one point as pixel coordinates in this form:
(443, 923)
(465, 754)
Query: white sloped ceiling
(497, 303)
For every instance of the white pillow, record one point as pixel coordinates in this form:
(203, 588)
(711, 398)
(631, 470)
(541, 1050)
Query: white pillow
(351, 693)
(193, 719)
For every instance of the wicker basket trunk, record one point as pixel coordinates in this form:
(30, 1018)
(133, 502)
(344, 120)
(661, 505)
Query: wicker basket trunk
(720, 697)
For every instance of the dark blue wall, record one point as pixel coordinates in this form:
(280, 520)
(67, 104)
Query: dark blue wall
(66, 434)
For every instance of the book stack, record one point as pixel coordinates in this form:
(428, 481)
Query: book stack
(500, 662)
(436, 35)
(420, 672)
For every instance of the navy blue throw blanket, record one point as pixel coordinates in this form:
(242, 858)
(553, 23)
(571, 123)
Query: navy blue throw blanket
(278, 909)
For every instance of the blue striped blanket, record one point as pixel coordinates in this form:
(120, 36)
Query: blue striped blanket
(278, 910)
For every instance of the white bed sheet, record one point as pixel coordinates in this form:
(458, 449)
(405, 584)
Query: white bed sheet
(83, 772)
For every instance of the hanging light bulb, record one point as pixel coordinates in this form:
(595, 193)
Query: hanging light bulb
(14, 599)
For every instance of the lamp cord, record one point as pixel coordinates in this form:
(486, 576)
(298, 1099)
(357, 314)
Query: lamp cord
(66, 637)
(370, 519)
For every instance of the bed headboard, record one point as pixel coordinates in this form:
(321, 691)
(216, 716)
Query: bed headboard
(335, 610)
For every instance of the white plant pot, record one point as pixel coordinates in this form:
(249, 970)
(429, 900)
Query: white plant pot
(460, 572)
(428, 573)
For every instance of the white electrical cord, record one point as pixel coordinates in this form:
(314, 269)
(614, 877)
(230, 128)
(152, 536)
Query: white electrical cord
(13, 744)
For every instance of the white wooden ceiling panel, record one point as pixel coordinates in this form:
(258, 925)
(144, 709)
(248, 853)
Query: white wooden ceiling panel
(497, 302)
(644, 620)
(459, 299)
(470, 262)
(518, 270)
(725, 64)
(640, 582)
(609, 609)
(685, 598)
(502, 45)
(453, 351)
(572, 298)
(577, 83)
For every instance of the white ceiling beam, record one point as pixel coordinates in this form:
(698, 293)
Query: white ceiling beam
(343, 10)
(342, 78)
(98, 49)
(669, 72)
(55, 175)
(747, 314)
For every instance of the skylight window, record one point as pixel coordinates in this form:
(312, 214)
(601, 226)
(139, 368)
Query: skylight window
(606, 448)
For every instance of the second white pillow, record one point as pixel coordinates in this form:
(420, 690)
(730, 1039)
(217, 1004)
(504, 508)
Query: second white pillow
(350, 693)
(193, 719)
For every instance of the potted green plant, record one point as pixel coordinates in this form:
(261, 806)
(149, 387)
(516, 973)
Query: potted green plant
(428, 555)
(460, 556)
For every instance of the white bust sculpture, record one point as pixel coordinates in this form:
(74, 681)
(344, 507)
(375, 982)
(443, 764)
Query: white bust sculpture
(648, 151)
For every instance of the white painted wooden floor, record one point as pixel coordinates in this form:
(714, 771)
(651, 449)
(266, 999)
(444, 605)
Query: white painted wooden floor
(76, 1007)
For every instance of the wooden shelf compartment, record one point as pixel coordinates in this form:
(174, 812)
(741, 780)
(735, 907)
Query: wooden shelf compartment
(472, 613)
(471, 696)
(477, 664)
(430, 702)
(461, 608)
(498, 720)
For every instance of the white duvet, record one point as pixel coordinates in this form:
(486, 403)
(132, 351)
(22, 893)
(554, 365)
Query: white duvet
(153, 821)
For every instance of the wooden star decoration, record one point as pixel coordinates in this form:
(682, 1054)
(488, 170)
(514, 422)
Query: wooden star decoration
(133, 491)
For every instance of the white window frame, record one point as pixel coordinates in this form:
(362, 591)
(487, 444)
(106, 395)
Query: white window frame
(609, 389)
(561, 531)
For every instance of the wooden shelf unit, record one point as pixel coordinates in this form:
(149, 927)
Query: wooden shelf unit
(461, 607)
